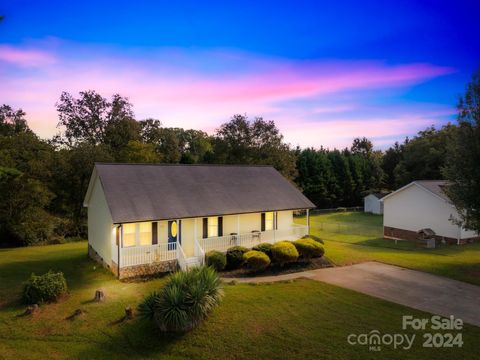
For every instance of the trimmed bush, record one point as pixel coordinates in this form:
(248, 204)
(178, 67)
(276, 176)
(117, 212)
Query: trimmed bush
(216, 259)
(186, 299)
(284, 252)
(266, 248)
(235, 257)
(314, 238)
(44, 288)
(309, 248)
(256, 260)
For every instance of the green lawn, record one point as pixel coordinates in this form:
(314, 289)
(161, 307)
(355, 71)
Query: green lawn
(356, 237)
(296, 320)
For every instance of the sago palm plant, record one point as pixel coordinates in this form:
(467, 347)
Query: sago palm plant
(185, 300)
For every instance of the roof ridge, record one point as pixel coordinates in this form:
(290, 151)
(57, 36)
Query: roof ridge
(440, 180)
(186, 165)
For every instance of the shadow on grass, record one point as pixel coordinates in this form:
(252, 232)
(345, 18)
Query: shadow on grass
(362, 218)
(386, 243)
(79, 270)
(136, 338)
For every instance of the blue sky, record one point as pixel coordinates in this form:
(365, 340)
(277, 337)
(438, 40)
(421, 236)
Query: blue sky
(324, 71)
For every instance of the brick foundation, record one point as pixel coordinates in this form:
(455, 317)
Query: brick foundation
(402, 234)
(134, 271)
(145, 270)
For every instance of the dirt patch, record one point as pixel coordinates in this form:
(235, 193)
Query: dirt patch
(318, 263)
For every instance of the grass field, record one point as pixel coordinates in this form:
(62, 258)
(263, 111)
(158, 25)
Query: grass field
(297, 320)
(356, 237)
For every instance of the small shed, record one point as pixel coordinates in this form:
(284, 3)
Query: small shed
(372, 203)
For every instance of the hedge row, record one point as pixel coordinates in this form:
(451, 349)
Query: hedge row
(262, 255)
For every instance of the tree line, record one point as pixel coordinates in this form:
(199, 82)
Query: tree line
(43, 181)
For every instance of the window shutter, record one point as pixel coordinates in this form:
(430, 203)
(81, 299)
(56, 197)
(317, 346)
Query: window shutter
(276, 220)
(117, 235)
(220, 226)
(205, 228)
(154, 233)
(263, 222)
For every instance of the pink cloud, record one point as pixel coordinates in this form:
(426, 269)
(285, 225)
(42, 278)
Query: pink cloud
(184, 88)
(25, 57)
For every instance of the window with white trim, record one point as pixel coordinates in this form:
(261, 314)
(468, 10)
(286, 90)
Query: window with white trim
(129, 234)
(212, 226)
(269, 221)
(145, 233)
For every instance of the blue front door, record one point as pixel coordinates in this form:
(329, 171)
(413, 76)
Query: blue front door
(174, 231)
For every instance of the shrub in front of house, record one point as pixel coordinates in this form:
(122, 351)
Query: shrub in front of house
(256, 260)
(235, 257)
(313, 237)
(266, 248)
(284, 252)
(184, 301)
(44, 288)
(216, 259)
(308, 248)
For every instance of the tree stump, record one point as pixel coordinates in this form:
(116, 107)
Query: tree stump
(99, 296)
(31, 310)
(128, 313)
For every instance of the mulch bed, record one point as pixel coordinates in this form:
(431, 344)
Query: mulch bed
(317, 263)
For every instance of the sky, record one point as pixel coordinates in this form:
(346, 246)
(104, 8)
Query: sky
(324, 71)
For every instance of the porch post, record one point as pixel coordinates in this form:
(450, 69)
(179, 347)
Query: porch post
(308, 221)
(195, 229)
(274, 225)
(120, 246)
(238, 229)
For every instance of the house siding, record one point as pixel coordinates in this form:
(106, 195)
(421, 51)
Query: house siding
(250, 222)
(415, 208)
(100, 224)
(188, 235)
(284, 219)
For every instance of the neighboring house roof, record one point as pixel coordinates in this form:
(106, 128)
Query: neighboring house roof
(435, 187)
(143, 192)
(378, 195)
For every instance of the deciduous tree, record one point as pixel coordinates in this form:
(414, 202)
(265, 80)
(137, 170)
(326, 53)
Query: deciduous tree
(463, 158)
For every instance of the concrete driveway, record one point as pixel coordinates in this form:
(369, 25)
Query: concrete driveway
(415, 289)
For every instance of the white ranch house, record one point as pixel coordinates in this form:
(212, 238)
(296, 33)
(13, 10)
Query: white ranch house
(148, 218)
(423, 204)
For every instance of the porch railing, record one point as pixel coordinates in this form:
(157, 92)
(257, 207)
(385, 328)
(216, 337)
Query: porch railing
(140, 255)
(199, 252)
(181, 257)
(222, 243)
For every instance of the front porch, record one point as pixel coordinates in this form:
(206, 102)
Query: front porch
(184, 242)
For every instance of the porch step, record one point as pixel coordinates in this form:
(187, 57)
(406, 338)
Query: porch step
(192, 262)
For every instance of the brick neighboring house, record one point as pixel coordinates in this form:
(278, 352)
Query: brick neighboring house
(419, 205)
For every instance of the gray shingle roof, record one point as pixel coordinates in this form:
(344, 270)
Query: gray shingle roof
(143, 192)
(435, 186)
(379, 195)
